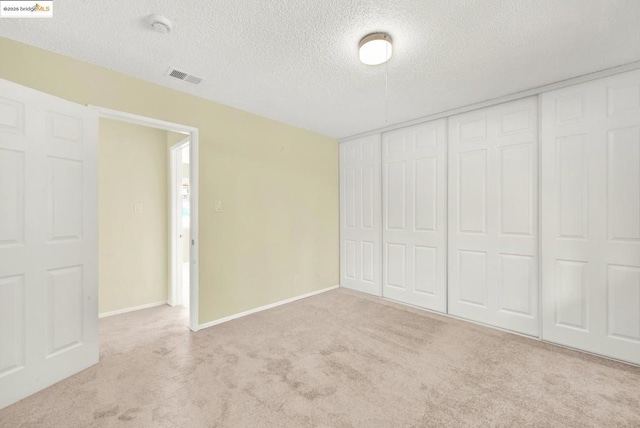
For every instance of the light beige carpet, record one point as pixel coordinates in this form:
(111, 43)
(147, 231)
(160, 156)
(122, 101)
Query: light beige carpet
(338, 359)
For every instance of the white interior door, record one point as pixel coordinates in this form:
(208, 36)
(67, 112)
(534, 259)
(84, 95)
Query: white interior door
(360, 228)
(591, 216)
(48, 240)
(493, 265)
(414, 215)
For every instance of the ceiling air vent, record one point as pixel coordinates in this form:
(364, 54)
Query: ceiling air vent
(181, 75)
(193, 79)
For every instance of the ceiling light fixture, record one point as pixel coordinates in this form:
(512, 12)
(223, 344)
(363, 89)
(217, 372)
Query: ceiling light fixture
(160, 23)
(376, 48)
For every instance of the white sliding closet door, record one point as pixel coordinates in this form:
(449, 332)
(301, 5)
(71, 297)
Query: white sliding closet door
(591, 216)
(360, 227)
(493, 265)
(414, 206)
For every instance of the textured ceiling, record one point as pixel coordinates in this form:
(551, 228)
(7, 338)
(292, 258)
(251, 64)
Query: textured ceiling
(296, 61)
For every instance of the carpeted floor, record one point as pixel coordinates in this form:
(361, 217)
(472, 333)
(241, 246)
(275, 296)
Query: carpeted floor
(338, 359)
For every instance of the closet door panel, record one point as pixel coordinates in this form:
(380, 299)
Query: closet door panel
(493, 261)
(414, 212)
(360, 215)
(591, 216)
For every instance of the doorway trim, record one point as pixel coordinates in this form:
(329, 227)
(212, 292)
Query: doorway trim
(106, 113)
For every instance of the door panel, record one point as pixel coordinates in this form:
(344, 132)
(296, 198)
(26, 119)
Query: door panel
(472, 268)
(12, 314)
(414, 210)
(493, 264)
(623, 190)
(64, 309)
(48, 240)
(360, 218)
(65, 199)
(517, 289)
(12, 194)
(472, 167)
(516, 188)
(591, 216)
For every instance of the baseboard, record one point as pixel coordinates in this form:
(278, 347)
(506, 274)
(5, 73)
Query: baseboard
(135, 308)
(264, 308)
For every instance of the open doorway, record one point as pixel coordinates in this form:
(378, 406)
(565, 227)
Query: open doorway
(180, 228)
(181, 208)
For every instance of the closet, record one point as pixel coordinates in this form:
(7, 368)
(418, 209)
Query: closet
(493, 216)
(360, 215)
(523, 215)
(414, 230)
(591, 216)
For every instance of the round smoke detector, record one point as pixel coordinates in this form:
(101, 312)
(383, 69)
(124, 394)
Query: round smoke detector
(160, 23)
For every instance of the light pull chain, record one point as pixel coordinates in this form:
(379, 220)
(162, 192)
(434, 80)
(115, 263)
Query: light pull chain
(386, 89)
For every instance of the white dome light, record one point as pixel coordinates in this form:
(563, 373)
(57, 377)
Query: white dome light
(375, 49)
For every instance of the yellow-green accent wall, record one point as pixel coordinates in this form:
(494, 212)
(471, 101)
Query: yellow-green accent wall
(278, 235)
